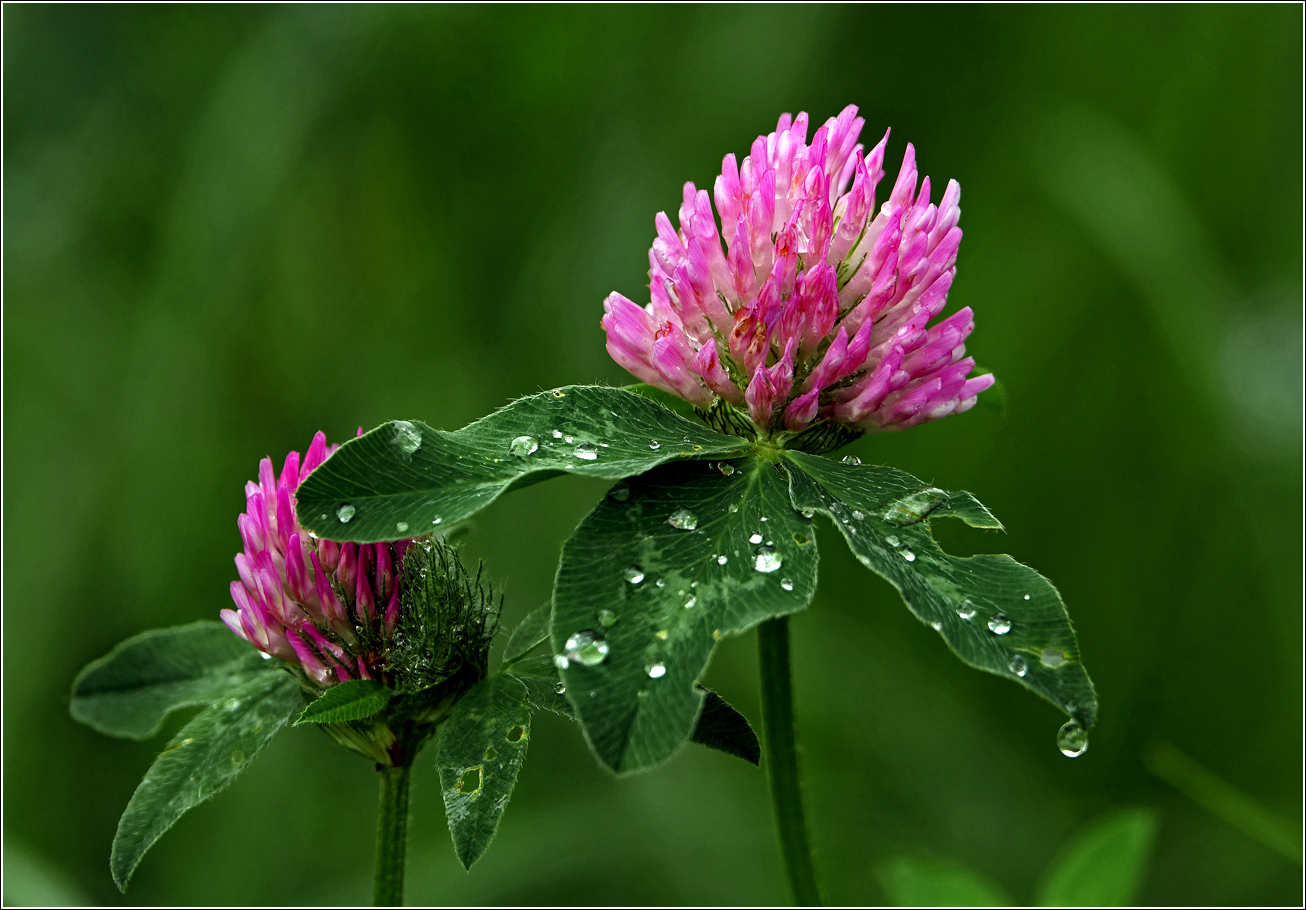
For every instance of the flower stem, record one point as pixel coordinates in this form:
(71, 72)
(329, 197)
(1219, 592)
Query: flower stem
(782, 760)
(391, 837)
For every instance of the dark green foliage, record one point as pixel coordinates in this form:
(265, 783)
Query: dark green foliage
(200, 761)
(395, 490)
(354, 699)
(130, 690)
(481, 749)
(675, 527)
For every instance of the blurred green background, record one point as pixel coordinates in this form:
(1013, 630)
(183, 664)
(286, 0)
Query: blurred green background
(228, 227)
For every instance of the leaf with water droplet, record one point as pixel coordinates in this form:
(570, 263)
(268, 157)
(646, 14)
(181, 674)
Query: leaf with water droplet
(979, 602)
(493, 714)
(455, 474)
(129, 691)
(182, 778)
(629, 731)
(354, 699)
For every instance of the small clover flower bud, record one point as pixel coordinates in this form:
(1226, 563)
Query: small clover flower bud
(818, 308)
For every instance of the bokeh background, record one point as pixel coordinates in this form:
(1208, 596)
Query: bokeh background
(226, 227)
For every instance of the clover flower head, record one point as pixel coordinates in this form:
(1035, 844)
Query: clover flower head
(817, 307)
(325, 607)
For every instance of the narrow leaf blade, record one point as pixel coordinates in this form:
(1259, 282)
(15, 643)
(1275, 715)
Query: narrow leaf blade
(481, 751)
(530, 633)
(1104, 864)
(403, 477)
(662, 569)
(723, 728)
(130, 690)
(920, 882)
(994, 613)
(200, 761)
(354, 699)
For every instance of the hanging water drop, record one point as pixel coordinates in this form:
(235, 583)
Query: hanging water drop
(1017, 665)
(607, 618)
(586, 451)
(851, 459)
(683, 519)
(966, 610)
(407, 438)
(523, 446)
(656, 670)
(345, 512)
(587, 648)
(767, 559)
(999, 624)
(1072, 739)
(787, 584)
(634, 575)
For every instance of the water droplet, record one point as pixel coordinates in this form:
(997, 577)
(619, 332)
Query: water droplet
(1027, 597)
(557, 434)
(893, 541)
(407, 438)
(237, 757)
(691, 602)
(654, 445)
(656, 670)
(265, 655)
(634, 575)
(232, 704)
(767, 559)
(586, 451)
(915, 507)
(523, 446)
(787, 584)
(561, 662)
(755, 539)
(909, 555)
(836, 508)
(726, 469)
(559, 688)
(345, 512)
(999, 624)
(1017, 665)
(661, 582)
(859, 514)
(607, 618)
(569, 439)
(763, 518)
(966, 610)
(661, 634)
(683, 519)
(436, 520)
(851, 459)
(1051, 657)
(733, 507)
(936, 626)
(1072, 739)
(620, 493)
(587, 648)
(722, 559)
(401, 526)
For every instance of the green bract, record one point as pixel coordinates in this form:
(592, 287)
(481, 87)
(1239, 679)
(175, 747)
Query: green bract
(711, 535)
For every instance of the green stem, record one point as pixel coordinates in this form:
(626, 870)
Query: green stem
(391, 837)
(782, 760)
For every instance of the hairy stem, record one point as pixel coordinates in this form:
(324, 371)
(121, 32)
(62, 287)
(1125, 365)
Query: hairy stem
(391, 837)
(782, 760)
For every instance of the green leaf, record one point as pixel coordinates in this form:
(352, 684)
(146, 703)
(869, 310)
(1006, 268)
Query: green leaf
(662, 569)
(130, 690)
(481, 750)
(920, 882)
(884, 515)
(540, 677)
(1103, 865)
(723, 728)
(354, 699)
(530, 633)
(404, 478)
(200, 761)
